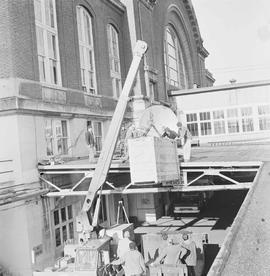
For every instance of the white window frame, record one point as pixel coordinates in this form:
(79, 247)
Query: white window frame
(55, 135)
(247, 119)
(98, 137)
(203, 122)
(114, 57)
(265, 115)
(86, 50)
(219, 118)
(48, 53)
(61, 224)
(174, 60)
(233, 118)
(192, 122)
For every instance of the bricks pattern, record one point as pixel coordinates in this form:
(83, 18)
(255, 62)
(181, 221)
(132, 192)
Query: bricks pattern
(18, 51)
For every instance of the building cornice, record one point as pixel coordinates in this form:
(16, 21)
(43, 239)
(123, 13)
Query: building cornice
(195, 28)
(209, 75)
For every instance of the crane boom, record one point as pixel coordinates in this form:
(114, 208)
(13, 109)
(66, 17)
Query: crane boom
(106, 155)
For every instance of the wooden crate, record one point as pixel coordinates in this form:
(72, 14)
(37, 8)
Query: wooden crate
(153, 159)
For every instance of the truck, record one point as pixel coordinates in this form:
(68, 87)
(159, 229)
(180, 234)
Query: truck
(190, 203)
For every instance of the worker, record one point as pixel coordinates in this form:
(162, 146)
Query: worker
(184, 140)
(190, 258)
(123, 244)
(90, 142)
(171, 254)
(167, 132)
(133, 261)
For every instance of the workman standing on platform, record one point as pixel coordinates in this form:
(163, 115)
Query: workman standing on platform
(133, 261)
(191, 257)
(171, 134)
(184, 138)
(90, 142)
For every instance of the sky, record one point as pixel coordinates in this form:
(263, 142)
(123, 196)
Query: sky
(236, 33)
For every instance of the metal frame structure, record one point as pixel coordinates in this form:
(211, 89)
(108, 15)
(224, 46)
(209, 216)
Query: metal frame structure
(183, 185)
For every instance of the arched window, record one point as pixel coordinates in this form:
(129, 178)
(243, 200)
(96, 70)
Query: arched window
(86, 46)
(173, 60)
(115, 69)
(47, 41)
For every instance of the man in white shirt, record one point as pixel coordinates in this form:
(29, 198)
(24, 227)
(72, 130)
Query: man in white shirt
(191, 257)
(123, 245)
(133, 261)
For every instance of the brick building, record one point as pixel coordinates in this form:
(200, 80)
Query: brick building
(63, 64)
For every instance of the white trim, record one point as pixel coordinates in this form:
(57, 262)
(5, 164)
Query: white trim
(45, 28)
(89, 65)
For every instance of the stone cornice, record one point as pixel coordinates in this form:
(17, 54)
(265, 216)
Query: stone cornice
(195, 27)
(201, 50)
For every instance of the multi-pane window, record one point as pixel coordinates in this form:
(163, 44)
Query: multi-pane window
(233, 122)
(56, 135)
(205, 123)
(86, 48)
(192, 124)
(115, 70)
(264, 117)
(247, 119)
(173, 60)
(47, 41)
(97, 129)
(219, 121)
(63, 222)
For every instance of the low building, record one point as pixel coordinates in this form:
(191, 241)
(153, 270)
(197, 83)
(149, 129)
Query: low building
(227, 114)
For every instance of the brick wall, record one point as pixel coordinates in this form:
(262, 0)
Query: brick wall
(102, 13)
(5, 41)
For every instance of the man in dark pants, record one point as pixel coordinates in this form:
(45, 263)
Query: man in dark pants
(133, 261)
(90, 141)
(191, 257)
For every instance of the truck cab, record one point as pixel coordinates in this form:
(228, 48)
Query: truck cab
(190, 203)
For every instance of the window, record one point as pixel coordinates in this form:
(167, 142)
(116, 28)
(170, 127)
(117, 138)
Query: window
(47, 41)
(63, 225)
(219, 121)
(233, 122)
(192, 124)
(205, 123)
(86, 48)
(173, 60)
(114, 60)
(247, 119)
(56, 135)
(97, 129)
(264, 117)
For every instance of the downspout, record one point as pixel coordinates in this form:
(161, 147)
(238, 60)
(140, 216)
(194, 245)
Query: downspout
(145, 66)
